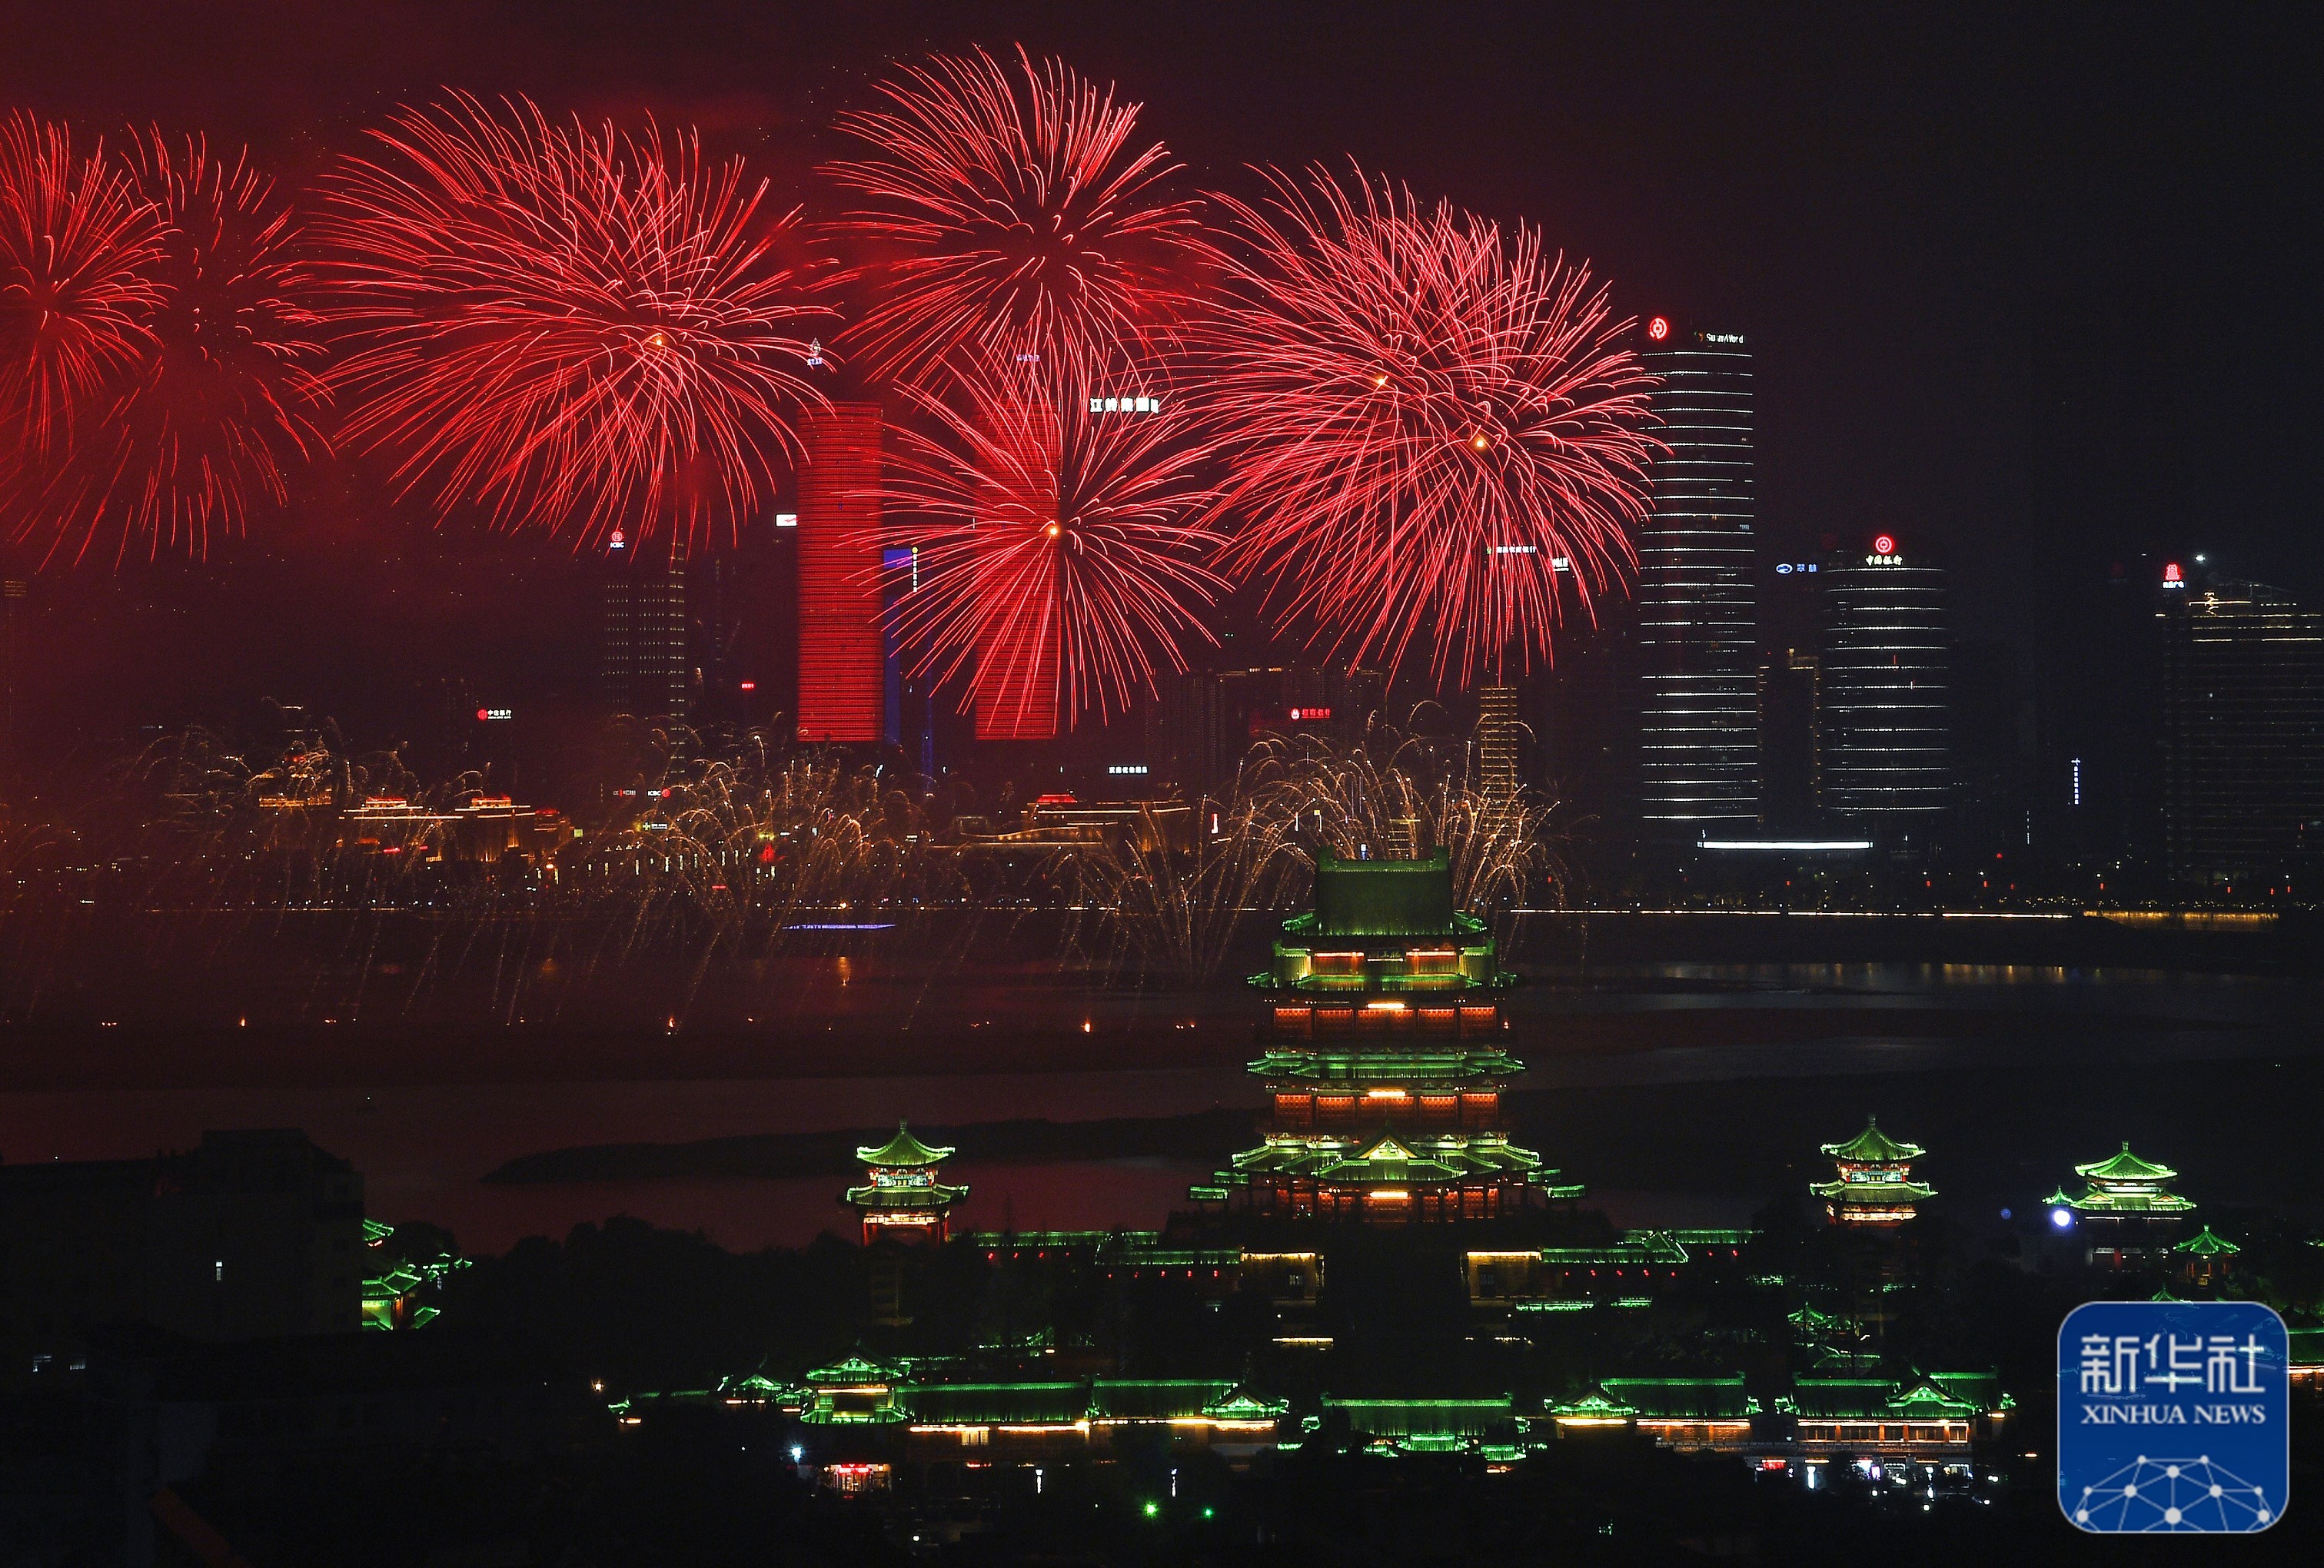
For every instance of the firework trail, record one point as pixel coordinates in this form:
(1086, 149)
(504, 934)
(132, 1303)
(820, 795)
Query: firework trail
(79, 248)
(572, 327)
(221, 406)
(1055, 552)
(1429, 417)
(1017, 222)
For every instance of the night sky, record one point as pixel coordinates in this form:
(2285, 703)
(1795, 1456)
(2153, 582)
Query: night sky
(2033, 285)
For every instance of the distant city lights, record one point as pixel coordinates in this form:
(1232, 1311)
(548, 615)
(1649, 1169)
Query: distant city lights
(2061, 1217)
(1126, 769)
(787, 519)
(1786, 845)
(1136, 405)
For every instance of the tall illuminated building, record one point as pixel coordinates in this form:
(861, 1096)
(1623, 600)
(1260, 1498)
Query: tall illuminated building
(1886, 749)
(1497, 740)
(1697, 635)
(644, 666)
(2243, 736)
(841, 649)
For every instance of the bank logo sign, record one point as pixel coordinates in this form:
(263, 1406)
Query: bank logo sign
(2173, 1416)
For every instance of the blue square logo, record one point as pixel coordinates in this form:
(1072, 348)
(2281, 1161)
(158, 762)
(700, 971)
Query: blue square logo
(2173, 1416)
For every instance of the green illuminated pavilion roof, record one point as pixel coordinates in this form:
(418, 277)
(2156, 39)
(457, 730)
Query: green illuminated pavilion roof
(1874, 1146)
(1873, 1195)
(1927, 1398)
(904, 1200)
(2123, 1183)
(2126, 1167)
(1388, 1160)
(1242, 1407)
(854, 1371)
(1594, 1406)
(1405, 1418)
(1448, 1067)
(2208, 1245)
(1385, 1159)
(1384, 898)
(1681, 1399)
(903, 1151)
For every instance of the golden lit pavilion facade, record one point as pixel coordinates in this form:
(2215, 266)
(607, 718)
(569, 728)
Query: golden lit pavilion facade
(1383, 1060)
(1873, 1184)
(904, 1195)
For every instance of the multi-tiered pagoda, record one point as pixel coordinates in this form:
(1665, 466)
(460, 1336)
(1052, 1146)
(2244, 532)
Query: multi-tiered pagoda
(2128, 1210)
(1384, 1062)
(904, 1195)
(1874, 1184)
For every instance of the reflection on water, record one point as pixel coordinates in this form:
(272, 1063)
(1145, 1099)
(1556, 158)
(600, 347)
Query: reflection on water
(423, 1149)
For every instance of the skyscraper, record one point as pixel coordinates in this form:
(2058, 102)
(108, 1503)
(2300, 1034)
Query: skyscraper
(1887, 753)
(841, 653)
(1697, 630)
(2243, 733)
(1497, 739)
(644, 668)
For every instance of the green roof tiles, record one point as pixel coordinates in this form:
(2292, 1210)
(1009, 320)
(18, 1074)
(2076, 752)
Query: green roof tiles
(1874, 1195)
(1402, 1418)
(1384, 898)
(1942, 1396)
(935, 1195)
(1594, 1406)
(1681, 1399)
(1448, 1067)
(996, 1404)
(2207, 1244)
(903, 1151)
(2126, 1167)
(1874, 1146)
(1155, 1398)
(852, 1371)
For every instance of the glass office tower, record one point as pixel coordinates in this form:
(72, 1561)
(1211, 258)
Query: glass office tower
(1698, 629)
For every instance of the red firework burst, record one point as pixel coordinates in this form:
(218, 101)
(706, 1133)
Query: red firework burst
(564, 324)
(1021, 219)
(222, 405)
(1056, 549)
(79, 248)
(1440, 434)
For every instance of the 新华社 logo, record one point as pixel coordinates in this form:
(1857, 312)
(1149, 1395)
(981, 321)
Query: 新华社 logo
(2173, 1416)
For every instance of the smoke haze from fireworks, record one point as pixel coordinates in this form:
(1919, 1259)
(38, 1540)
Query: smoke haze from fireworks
(573, 328)
(1011, 219)
(1061, 539)
(1426, 417)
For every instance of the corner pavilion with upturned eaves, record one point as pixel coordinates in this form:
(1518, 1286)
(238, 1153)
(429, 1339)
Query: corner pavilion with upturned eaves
(1875, 1186)
(1383, 1060)
(2127, 1209)
(903, 1194)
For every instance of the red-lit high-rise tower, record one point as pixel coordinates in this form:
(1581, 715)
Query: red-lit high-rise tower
(840, 676)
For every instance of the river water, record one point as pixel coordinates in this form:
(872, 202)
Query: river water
(1631, 1041)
